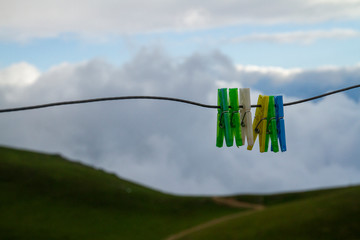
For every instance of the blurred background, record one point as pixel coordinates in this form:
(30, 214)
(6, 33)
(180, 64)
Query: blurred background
(68, 50)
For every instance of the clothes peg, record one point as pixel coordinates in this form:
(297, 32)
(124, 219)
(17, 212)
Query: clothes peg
(280, 122)
(245, 116)
(260, 122)
(224, 118)
(235, 116)
(219, 129)
(271, 131)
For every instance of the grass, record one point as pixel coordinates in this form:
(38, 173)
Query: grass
(332, 214)
(47, 197)
(275, 199)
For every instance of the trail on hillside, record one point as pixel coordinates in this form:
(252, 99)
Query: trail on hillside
(232, 202)
(224, 201)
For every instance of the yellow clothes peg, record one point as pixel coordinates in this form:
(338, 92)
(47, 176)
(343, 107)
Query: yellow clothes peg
(260, 122)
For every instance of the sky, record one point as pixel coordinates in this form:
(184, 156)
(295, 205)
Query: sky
(68, 50)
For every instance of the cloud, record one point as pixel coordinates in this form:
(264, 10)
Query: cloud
(21, 20)
(19, 75)
(300, 83)
(15, 78)
(171, 146)
(300, 37)
(278, 73)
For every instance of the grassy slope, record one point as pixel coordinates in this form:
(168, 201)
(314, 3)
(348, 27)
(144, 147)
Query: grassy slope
(275, 199)
(329, 214)
(46, 197)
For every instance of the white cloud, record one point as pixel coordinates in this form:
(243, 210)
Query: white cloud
(18, 75)
(297, 82)
(15, 78)
(21, 20)
(171, 146)
(278, 73)
(195, 18)
(301, 37)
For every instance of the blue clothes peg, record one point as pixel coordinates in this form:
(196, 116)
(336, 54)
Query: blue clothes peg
(280, 122)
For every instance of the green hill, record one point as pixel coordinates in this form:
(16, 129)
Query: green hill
(326, 214)
(276, 199)
(47, 197)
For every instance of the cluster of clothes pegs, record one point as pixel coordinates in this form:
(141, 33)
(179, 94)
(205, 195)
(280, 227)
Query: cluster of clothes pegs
(234, 120)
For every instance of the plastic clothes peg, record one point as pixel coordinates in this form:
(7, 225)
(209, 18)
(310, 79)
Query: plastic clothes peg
(224, 118)
(260, 122)
(219, 129)
(280, 122)
(245, 116)
(271, 131)
(235, 116)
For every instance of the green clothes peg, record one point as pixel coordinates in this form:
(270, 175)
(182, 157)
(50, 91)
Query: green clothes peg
(225, 117)
(235, 116)
(271, 130)
(219, 129)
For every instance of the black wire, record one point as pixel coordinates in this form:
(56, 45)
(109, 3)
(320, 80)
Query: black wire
(105, 99)
(159, 98)
(321, 96)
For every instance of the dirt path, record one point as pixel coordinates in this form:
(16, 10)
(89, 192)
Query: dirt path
(232, 202)
(225, 201)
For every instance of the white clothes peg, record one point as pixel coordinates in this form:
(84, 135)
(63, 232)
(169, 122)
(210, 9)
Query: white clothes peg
(245, 117)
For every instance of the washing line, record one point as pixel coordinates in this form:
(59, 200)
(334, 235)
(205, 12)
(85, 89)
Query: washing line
(47, 105)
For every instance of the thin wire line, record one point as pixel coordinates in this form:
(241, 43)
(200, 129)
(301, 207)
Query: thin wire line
(159, 98)
(321, 96)
(105, 99)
